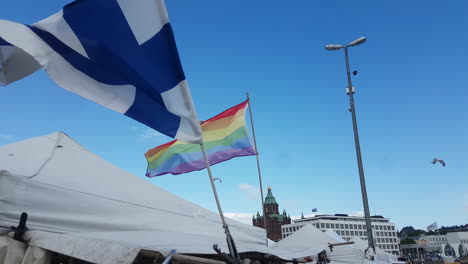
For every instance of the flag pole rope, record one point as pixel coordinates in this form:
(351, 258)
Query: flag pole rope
(229, 239)
(258, 169)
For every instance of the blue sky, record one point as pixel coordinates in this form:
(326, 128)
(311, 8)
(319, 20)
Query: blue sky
(411, 104)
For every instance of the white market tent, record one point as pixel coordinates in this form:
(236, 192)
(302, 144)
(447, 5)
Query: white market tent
(380, 256)
(309, 241)
(82, 206)
(334, 236)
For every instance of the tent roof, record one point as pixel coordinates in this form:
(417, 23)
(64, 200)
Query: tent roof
(309, 241)
(78, 202)
(380, 255)
(334, 236)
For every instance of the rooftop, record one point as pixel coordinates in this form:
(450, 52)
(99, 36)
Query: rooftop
(270, 199)
(340, 217)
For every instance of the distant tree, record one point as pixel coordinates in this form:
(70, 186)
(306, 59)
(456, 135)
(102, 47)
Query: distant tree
(454, 228)
(417, 232)
(407, 241)
(436, 232)
(409, 231)
(405, 231)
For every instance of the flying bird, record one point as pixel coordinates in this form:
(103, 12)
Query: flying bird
(217, 179)
(438, 160)
(355, 72)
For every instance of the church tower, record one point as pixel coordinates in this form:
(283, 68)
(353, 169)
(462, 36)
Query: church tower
(271, 206)
(274, 219)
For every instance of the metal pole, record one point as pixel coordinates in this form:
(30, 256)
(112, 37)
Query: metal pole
(350, 92)
(2, 63)
(2, 66)
(258, 168)
(169, 257)
(229, 239)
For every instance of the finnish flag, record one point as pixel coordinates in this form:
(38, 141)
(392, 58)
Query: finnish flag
(118, 53)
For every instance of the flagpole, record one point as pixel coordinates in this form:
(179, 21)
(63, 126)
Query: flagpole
(2, 64)
(258, 168)
(229, 239)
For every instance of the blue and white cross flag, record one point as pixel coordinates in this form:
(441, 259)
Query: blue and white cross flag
(118, 53)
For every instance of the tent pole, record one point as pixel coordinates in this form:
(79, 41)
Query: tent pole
(169, 257)
(258, 169)
(2, 65)
(230, 241)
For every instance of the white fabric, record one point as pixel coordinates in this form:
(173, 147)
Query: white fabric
(80, 205)
(141, 18)
(35, 255)
(115, 97)
(96, 248)
(309, 241)
(432, 226)
(15, 64)
(11, 251)
(379, 256)
(16, 252)
(57, 26)
(145, 18)
(178, 101)
(361, 244)
(334, 236)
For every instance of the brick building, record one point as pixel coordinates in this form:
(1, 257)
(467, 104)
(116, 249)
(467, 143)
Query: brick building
(274, 219)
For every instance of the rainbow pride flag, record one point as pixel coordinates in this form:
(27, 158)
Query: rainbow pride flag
(224, 137)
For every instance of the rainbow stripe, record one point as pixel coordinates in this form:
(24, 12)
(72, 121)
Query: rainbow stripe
(224, 137)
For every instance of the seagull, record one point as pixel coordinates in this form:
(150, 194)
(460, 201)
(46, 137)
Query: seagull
(438, 160)
(217, 179)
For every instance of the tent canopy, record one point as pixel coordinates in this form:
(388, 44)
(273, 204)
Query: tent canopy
(81, 205)
(309, 241)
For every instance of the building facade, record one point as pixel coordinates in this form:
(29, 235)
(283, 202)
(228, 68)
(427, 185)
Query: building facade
(385, 233)
(274, 220)
(432, 244)
(432, 240)
(453, 244)
(460, 237)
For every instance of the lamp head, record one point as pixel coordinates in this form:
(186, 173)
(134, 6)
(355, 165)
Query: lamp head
(357, 42)
(333, 47)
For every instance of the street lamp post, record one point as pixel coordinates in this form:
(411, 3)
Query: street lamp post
(350, 92)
